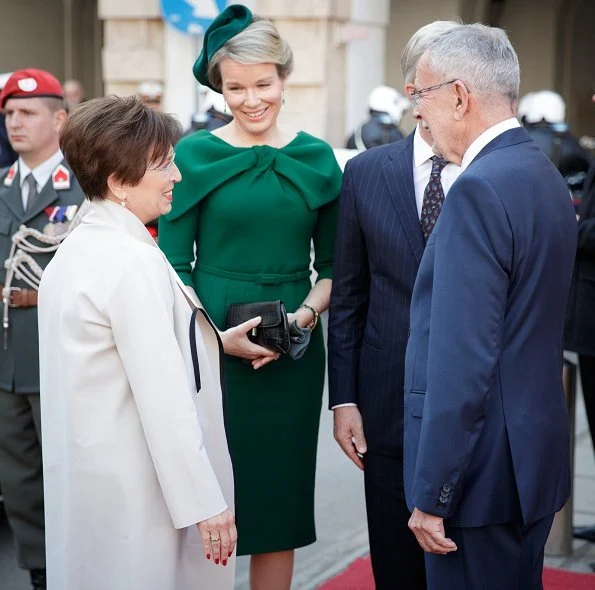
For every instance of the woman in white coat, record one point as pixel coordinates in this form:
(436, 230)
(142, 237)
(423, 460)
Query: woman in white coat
(134, 457)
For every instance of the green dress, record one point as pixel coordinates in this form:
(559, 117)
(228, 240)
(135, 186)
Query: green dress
(252, 214)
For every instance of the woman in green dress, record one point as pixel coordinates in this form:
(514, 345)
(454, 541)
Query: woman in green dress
(251, 201)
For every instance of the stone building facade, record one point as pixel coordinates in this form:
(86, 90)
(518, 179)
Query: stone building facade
(343, 48)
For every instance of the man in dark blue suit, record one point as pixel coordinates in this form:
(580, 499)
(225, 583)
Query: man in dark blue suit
(486, 431)
(379, 245)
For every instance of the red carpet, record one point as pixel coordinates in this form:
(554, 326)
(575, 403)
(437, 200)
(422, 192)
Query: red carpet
(358, 576)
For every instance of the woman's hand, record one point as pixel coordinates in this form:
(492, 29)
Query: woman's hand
(236, 343)
(302, 316)
(219, 536)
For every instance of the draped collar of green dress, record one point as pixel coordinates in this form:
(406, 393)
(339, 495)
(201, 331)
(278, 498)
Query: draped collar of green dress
(206, 162)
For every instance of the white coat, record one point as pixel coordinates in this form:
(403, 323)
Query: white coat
(133, 456)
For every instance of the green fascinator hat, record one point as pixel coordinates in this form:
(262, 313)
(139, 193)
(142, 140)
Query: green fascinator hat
(233, 20)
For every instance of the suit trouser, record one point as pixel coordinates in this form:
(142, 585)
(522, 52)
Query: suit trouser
(494, 557)
(587, 367)
(397, 559)
(21, 475)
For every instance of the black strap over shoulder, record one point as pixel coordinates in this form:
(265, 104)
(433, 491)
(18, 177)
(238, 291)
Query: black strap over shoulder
(193, 349)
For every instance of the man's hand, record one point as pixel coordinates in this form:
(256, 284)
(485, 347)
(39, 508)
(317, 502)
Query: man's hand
(349, 433)
(429, 532)
(219, 536)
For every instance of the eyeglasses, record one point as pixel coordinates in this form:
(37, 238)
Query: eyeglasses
(416, 95)
(166, 167)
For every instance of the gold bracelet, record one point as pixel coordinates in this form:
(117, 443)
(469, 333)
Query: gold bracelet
(314, 322)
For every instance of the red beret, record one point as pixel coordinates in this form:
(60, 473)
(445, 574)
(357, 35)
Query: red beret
(29, 83)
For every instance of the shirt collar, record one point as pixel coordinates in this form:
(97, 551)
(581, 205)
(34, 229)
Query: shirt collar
(485, 138)
(42, 172)
(422, 150)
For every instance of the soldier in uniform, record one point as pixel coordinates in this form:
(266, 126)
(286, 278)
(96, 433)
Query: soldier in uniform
(386, 107)
(543, 114)
(212, 113)
(39, 201)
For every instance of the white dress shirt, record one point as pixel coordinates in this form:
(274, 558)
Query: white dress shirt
(422, 167)
(41, 173)
(485, 138)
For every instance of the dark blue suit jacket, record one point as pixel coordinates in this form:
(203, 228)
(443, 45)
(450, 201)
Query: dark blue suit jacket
(378, 250)
(486, 427)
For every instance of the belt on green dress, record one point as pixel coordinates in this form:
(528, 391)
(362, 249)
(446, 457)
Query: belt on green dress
(259, 278)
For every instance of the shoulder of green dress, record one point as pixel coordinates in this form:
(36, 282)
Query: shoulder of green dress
(193, 142)
(204, 148)
(310, 164)
(205, 162)
(304, 140)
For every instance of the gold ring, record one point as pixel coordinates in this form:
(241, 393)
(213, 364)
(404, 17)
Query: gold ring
(214, 540)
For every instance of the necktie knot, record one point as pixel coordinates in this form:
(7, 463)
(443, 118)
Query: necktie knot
(438, 164)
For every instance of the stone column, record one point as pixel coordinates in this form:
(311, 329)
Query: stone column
(315, 97)
(133, 44)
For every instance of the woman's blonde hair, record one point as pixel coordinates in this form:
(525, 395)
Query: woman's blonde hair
(258, 43)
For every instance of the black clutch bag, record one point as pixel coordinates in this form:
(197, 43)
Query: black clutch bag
(273, 330)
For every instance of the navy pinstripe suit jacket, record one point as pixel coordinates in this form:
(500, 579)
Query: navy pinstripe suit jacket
(378, 250)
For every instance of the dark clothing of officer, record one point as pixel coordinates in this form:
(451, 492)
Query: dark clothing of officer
(579, 332)
(210, 120)
(7, 154)
(564, 150)
(378, 130)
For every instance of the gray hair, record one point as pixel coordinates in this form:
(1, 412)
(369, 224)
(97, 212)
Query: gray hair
(419, 42)
(481, 57)
(258, 43)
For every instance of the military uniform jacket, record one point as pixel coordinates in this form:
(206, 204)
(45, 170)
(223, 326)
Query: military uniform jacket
(19, 363)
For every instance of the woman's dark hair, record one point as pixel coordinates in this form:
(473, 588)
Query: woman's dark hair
(119, 136)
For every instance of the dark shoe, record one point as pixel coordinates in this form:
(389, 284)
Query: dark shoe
(38, 579)
(586, 533)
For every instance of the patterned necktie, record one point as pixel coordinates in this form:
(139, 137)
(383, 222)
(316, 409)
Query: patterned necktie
(32, 197)
(433, 198)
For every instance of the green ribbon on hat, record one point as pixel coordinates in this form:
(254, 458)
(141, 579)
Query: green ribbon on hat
(233, 20)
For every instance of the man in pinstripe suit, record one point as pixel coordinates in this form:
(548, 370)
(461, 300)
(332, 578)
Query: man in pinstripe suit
(378, 250)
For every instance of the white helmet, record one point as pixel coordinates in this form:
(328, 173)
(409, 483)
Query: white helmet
(545, 105)
(209, 99)
(387, 100)
(524, 105)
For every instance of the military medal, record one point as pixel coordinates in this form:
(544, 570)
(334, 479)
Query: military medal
(60, 218)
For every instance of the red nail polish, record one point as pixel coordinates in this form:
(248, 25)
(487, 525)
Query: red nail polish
(224, 562)
(217, 561)
(208, 556)
(229, 554)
